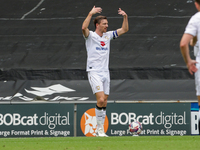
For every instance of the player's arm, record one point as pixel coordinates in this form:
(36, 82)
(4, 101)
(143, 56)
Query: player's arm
(193, 41)
(87, 20)
(125, 26)
(184, 46)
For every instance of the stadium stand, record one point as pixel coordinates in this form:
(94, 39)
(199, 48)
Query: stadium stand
(42, 40)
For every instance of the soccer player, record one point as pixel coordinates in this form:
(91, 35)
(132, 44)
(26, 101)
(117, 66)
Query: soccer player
(98, 50)
(192, 30)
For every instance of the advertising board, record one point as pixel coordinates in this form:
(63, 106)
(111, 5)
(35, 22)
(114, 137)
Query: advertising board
(36, 120)
(157, 119)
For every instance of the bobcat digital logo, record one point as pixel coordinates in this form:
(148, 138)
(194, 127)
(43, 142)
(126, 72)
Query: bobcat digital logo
(88, 123)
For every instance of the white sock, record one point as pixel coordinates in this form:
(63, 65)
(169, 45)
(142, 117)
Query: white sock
(99, 115)
(104, 116)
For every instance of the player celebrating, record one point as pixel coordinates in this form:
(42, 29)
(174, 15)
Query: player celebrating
(98, 50)
(192, 30)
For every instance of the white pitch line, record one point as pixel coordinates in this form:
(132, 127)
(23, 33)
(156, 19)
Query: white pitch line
(32, 9)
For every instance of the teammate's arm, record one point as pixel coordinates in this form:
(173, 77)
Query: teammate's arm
(184, 46)
(86, 22)
(125, 26)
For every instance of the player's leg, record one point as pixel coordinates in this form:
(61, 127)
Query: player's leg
(95, 80)
(100, 113)
(106, 89)
(99, 109)
(197, 85)
(199, 112)
(104, 108)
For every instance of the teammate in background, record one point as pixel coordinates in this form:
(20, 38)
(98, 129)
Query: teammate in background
(194, 42)
(192, 30)
(98, 50)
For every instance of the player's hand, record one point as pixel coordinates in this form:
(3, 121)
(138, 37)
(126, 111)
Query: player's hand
(96, 10)
(191, 66)
(121, 12)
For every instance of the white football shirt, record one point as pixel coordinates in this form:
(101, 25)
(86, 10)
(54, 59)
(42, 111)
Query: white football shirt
(98, 50)
(193, 28)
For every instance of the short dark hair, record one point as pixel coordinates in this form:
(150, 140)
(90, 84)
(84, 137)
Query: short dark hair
(198, 1)
(98, 20)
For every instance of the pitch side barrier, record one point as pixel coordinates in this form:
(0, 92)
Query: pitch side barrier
(50, 108)
(63, 119)
(80, 90)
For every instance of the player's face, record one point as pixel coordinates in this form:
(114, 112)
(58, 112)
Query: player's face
(103, 25)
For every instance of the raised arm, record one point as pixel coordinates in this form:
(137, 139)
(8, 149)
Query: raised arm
(125, 26)
(86, 22)
(184, 46)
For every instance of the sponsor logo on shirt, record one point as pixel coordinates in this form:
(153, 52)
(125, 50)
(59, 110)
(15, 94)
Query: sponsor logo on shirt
(101, 48)
(102, 43)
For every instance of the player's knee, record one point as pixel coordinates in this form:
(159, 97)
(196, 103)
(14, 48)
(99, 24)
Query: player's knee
(105, 98)
(101, 100)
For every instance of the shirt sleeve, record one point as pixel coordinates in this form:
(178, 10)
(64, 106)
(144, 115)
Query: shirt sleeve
(88, 35)
(192, 26)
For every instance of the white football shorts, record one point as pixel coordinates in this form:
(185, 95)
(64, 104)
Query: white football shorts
(197, 80)
(196, 50)
(99, 81)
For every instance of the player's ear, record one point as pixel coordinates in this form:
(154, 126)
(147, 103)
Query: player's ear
(97, 25)
(197, 6)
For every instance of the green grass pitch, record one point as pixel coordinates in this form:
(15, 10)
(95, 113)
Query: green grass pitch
(105, 143)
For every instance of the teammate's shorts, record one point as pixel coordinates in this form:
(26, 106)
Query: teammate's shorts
(197, 80)
(196, 50)
(99, 81)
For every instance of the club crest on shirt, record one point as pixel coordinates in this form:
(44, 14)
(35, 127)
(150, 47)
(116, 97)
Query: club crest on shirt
(106, 37)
